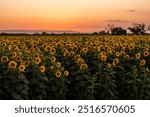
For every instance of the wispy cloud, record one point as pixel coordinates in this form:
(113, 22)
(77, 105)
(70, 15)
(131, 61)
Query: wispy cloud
(116, 20)
(87, 26)
(131, 10)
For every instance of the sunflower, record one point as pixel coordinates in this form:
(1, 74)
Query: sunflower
(109, 65)
(117, 54)
(58, 64)
(75, 48)
(58, 74)
(27, 63)
(138, 55)
(126, 57)
(108, 49)
(9, 47)
(18, 59)
(76, 57)
(85, 50)
(122, 53)
(12, 64)
(110, 52)
(72, 53)
(123, 49)
(51, 67)
(4, 59)
(103, 58)
(37, 60)
(83, 66)
(116, 45)
(146, 46)
(52, 50)
(66, 73)
(53, 59)
(146, 53)
(42, 68)
(21, 68)
(66, 53)
(115, 61)
(131, 47)
(103, 53)
(14, 54)
(80, 61)
(142, 63)
(47, 48)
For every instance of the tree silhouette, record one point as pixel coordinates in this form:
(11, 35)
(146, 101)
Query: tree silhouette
(138, 28)
(118, 31)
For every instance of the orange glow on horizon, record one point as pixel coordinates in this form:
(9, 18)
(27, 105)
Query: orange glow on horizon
(77, 15)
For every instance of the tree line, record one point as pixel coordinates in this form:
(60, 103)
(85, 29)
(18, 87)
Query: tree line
(135, 29)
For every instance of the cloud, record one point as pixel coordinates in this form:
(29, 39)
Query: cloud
(87, 26)
(117, 21)
(131, 10)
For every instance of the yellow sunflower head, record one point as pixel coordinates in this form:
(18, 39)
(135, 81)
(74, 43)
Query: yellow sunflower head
(21, 68)
(58, 74)
(66, 73)
(138, 55)
(83, 66)
(12, 64)
(53, 59)
(58, 64)
(42, 68)
(103, 58)
(126, 57)
(52, 50)
(80, 61)
(115, 61)
(37, 60)
(146, 53)
(142, 63)
(4, 59)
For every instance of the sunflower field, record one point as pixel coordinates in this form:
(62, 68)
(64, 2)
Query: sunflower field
(75, 67)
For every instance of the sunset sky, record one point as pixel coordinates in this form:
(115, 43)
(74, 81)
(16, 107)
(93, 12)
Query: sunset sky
(77, 15)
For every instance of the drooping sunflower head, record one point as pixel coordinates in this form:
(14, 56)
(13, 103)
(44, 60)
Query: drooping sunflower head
(76, 57)
(80, 61)
(115, 61)
(83, 66)
(109, 65)
(72, 53)
(126, 57)
(122, 53)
